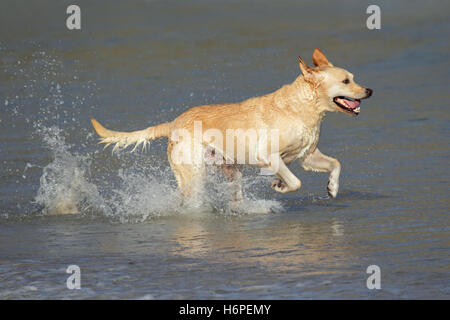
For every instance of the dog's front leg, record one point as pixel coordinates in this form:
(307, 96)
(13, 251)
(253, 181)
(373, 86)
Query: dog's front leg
(319, 162)
(288, 182)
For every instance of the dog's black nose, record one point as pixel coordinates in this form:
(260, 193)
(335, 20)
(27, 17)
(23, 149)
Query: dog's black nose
(369, 92)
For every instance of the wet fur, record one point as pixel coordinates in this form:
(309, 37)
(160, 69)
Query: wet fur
(296, 110)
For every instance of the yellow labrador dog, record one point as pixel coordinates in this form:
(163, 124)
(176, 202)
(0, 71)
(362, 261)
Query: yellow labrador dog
(293, 115)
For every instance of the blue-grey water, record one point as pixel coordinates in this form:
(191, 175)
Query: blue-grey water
(138, 63)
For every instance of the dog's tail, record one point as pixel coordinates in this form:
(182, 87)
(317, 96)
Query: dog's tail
(125, 139)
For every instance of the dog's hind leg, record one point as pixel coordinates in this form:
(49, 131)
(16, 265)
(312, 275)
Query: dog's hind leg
(190, 176)
(190, 180)
(233, 174)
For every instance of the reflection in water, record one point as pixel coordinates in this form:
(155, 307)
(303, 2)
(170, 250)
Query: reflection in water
(338, 228)
(283, 247)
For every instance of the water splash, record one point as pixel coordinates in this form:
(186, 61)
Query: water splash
(81, 178)
(139, 193)
(64, 187)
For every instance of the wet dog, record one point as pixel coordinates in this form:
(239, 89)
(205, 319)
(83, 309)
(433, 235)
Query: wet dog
(294, 112)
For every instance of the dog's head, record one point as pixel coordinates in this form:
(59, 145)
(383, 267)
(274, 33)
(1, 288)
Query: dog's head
(335, 86)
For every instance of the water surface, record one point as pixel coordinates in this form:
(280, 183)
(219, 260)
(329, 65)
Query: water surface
(139, 63)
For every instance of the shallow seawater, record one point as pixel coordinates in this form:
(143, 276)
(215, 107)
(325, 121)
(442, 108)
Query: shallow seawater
(139, 63)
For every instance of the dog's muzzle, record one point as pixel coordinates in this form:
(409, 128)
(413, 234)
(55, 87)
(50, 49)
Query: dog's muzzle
(347, 104)
(351, 105)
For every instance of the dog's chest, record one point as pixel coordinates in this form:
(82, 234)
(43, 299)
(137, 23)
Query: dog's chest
(302, 144)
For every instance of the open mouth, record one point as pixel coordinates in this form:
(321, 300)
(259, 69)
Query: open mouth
(349, 105)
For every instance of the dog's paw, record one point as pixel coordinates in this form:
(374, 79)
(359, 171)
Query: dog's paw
(279, 186)
(332, 189)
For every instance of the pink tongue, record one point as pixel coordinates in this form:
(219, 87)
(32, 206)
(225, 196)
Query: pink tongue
(352, 104)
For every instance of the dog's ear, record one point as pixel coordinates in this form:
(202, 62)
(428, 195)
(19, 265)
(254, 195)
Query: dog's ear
(319, 59)
(306, 70)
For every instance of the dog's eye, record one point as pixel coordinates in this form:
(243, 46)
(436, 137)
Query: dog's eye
(346, 81)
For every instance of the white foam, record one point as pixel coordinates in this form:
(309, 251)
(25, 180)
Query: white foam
(136, 194)
(78, 180)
